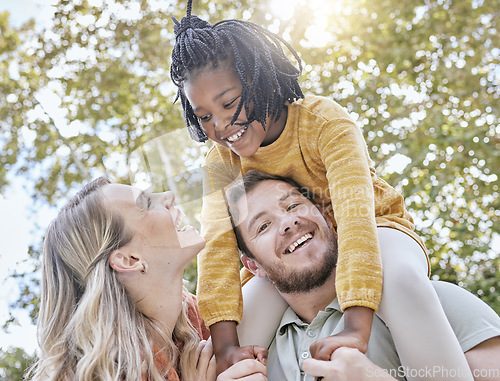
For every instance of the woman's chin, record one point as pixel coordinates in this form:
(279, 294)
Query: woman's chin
(190, 238)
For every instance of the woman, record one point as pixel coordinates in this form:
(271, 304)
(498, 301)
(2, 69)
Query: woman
(113, 304)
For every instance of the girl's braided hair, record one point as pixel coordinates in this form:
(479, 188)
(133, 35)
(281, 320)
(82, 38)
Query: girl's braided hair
(268, 77)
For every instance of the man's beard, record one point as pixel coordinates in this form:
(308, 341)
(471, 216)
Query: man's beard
(290, 281)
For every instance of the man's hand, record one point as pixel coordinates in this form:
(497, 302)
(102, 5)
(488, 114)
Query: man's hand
(347, 364)
(248, 370)
(233, 354)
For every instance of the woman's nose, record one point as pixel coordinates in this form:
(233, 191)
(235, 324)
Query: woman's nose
(168, 198)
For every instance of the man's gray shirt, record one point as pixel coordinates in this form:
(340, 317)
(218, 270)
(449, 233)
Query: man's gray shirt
(294, 337)
(471, 319)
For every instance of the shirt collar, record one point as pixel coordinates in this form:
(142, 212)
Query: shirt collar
(290, 317)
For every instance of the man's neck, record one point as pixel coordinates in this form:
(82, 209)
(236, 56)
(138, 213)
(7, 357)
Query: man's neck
(308, 304)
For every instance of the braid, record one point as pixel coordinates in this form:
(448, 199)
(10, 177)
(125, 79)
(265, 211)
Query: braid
(255, 54)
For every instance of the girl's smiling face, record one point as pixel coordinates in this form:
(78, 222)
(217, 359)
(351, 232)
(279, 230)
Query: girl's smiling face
(214, 95)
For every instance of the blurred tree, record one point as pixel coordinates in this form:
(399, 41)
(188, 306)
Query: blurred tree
(13, 363)
(14, 92)
(84, 96)
(422, 78)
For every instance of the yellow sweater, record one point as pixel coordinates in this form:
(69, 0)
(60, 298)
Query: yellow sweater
(323, 150)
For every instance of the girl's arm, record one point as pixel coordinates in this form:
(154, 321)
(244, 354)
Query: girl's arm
(356, 333)
(345, 156)
(227, 348)
(219, 287)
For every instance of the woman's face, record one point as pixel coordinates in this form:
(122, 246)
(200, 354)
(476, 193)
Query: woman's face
(156, 225)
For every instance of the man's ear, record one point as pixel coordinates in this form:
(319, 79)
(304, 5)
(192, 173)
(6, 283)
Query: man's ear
(252, 266)
(123, 262)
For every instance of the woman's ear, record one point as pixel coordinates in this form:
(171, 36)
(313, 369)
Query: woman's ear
(123, 262)
(252, 266)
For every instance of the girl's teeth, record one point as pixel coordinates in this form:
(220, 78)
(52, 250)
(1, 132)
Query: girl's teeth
(236, 136)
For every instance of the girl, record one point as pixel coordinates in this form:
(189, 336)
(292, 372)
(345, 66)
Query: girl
(239, 89)
(113, 304)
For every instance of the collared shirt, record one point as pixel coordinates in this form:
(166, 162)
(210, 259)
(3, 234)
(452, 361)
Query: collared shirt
(472, 320)
(291, 345)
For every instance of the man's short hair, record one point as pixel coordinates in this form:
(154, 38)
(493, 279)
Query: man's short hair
(244, 186)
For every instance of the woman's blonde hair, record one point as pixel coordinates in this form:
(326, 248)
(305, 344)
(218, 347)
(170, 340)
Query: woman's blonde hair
(88, 327)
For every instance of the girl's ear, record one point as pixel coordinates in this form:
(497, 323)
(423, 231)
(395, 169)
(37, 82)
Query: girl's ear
(252, 266)
(123, 262)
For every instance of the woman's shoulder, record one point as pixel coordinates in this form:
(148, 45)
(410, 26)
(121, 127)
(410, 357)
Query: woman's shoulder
(194, 315)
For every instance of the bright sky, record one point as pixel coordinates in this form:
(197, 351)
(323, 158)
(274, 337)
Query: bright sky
(16, 223)
(16, 227)
(22, 10)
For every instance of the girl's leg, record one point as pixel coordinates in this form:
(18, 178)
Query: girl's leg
(263, 308)
(424, 339)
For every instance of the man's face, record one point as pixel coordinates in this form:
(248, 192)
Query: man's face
(291, 240)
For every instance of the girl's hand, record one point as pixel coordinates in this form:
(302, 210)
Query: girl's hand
(324, 348)
(245, 370)
(234, 354)
(346, 364)
(205, 365)
(358, 326)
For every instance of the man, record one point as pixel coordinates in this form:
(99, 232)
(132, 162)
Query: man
(285, 237)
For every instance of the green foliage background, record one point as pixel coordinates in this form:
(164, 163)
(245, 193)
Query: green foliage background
(422, 78)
